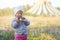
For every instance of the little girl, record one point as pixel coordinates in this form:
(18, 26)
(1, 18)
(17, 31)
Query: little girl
(20, 23)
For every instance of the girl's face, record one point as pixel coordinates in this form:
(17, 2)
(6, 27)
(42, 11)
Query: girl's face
(19, 14)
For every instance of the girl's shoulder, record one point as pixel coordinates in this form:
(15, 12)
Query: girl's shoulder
(13, 19)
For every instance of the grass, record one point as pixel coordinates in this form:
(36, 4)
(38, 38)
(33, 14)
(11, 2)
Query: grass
(33, 34)
(40, 28)
(39, 21)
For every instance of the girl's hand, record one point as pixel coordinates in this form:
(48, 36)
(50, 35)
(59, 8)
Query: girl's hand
(17, 21)
(24, 20)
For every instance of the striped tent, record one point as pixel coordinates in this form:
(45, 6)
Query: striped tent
(43, 7)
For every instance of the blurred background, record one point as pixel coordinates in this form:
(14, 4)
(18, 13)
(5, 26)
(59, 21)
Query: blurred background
(41, 28)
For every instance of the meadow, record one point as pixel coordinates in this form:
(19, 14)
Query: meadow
(40, 28)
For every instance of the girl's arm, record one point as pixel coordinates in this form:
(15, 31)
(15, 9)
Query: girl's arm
(14, 24)
(26, 22)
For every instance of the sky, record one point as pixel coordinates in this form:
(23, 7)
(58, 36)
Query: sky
(14, 3)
